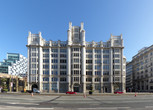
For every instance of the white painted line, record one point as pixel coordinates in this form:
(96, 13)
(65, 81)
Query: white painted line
(41, 108)
(22, 103)
(148, 106)
(104, 108)
(24, 108)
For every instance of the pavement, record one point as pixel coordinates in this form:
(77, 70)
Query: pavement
(75, 102)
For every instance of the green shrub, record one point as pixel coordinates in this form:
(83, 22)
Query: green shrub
(5, 90)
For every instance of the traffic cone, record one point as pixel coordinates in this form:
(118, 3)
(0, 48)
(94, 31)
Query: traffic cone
(135, 94)
(31, 94)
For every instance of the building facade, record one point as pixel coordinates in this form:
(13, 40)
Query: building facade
(19, 68)
(11, 58)
(75, 64)
(15, 64)
(129, 77)
(143, 70)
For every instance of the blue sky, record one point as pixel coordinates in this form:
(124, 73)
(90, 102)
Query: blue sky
(132, 18)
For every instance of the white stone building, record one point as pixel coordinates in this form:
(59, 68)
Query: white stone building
(75, 64)
(142, 64)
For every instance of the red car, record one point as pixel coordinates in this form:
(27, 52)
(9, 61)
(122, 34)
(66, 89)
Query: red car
(70, 92)
(118, 92)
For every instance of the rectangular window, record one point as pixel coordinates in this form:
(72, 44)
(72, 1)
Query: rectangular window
(46, 66)
(97, 86)
(62, 66)
(54, 66)
(88, 72)
(105, 56)
(105, 79)
(97, 51)
(97, 56)
(88, 51)
(62, 72)
(97, 61)
(89, 56)
(76, 72)
(33, 65)
(63, 50)
(33, 59)
(98, 73)
(54, 79)
(62, 61)
(76, 78)
(116, 61)
(63, 79)
(33, 54)
(54, 86)
(75, 49)
(54, 73)
(116, 50)
(54, 50)
(76, 60)
(106, 61)
(33, 49)
(76, 54)
(33, 71)
(97, 79)
(88, 61)
(45, 60)
(76, 66)
(63, 55)
(88, 66)
(33, 79)
(45, 86)
(98, 67)
(45, 50)
(54, 60)
(54, 55)
(116, 55)
(46, 72)
(106, 67)
(106, 73)
(45, 79)
(116, 66)
(46, 55)
(105, 51)
(89, 79)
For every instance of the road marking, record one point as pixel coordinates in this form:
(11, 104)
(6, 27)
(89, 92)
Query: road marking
(41, 108)
(24, 108)
(138, 101)
(99, 108)
(104, 108)
(148, 106)
(22, 103)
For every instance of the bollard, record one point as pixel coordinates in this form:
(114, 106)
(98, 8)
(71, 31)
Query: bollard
(31, 94)
(135, 94)
(84, 95)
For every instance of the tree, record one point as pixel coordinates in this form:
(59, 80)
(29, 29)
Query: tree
(4, 84)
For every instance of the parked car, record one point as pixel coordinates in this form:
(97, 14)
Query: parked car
(118, 92)
(35, 90)
(70, 92)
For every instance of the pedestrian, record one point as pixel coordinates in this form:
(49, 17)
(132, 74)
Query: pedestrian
(0, 89)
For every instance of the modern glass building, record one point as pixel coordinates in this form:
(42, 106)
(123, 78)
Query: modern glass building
(15, 64)
(75, 64)
(11, 58)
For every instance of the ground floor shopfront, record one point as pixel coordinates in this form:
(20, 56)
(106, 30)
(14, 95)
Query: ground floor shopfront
(12, 83)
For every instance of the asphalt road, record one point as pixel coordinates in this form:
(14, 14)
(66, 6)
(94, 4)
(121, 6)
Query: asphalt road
(49, 102)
